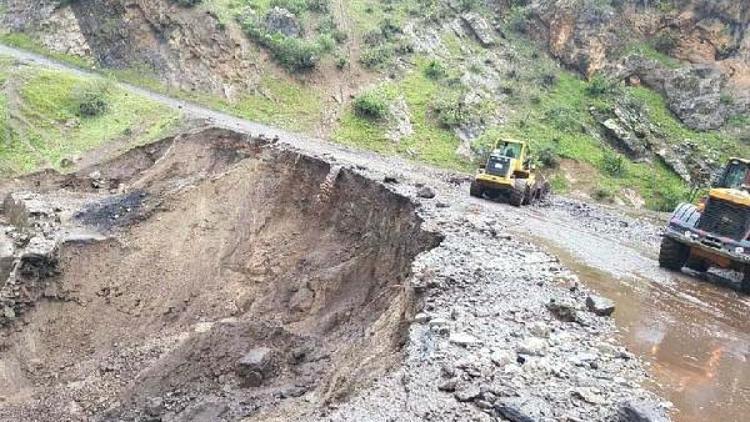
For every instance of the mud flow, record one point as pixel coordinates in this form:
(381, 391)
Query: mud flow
(694, 329)
(207, 277)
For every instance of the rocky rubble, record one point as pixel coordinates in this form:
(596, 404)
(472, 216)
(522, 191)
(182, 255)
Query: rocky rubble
(501, 336)
(30, 239)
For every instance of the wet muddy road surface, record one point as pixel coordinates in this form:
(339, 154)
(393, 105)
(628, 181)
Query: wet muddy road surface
(693, 329)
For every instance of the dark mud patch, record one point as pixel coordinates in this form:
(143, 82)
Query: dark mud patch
(117, 211)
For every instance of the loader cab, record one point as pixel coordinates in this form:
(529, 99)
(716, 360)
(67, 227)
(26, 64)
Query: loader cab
(736, 175)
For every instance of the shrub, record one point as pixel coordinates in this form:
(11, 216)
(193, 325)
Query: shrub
(341, 61)
(187, 3)
(602, 194)
(435, 70)
(599, 85)
(371, 104)
(294, 6)
(376, 57)
(613, 164)
(293, 53)
(90, 99)
(450, 110)
(549, 158)
(665, 42)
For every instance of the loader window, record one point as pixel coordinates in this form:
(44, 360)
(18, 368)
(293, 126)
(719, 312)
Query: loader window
(510, 149)
(736, 176)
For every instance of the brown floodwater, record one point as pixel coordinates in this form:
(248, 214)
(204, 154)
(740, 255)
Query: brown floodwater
(695, 331)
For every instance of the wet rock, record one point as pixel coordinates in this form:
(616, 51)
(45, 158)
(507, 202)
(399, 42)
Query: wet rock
(256, 366)
(421, 318)
(448, 386)
(280, 20)
(502, 357)
(467, 393)
(600, 305)
(539, 329)
(589, 395)
(463, 339)
(532, 346)
(6, 257)
(154, 406)
(640, 411)
(426, 192)
(399, 122)
(563, 310)
(480, 28)
(522, 409)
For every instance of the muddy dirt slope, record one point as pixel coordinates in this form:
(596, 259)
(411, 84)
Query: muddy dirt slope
(204, 277)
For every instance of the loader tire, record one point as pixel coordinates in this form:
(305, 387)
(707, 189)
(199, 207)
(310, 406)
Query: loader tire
(745, 286)
(519, 193)
(697, 265)
(673, 255)
(476, 189)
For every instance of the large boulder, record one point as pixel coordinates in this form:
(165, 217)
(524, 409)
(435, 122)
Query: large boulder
(479, 27)
(282, 21)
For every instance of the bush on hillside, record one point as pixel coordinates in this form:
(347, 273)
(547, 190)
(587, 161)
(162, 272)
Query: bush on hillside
(371, 105)
(90, 99)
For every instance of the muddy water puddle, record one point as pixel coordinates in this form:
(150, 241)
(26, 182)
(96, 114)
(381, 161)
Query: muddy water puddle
(695, 333)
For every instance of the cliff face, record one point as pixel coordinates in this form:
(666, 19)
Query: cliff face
(708, 40)
(182, 45)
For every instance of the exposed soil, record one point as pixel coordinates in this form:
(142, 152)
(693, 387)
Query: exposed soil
(218, 246)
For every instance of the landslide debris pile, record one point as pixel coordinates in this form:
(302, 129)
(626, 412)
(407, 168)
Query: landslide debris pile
(210, 276)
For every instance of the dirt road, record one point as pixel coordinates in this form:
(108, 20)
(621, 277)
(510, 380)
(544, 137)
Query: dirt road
(695, 335)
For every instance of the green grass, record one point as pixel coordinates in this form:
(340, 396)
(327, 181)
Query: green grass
(429, 142)
(46, 127)
(648, 51)
(280, 101)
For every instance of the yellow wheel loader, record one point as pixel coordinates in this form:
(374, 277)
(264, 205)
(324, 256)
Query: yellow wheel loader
(509, 173)
(716, 231)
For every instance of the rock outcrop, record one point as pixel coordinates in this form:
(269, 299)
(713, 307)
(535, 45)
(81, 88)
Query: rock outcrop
(187, 47)
(710, 81)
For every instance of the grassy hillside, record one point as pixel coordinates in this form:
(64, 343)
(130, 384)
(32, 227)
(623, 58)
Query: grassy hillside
(48, 118)
(409, 78)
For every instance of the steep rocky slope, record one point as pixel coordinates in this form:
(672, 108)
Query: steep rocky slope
(628, 101)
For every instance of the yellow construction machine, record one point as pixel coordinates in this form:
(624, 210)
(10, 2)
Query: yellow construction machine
(509, 173)
(716, 231)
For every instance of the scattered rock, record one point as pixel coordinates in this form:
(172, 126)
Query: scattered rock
(480, 28)
(539, 329)
(256, 366)
(640, 411)
(467, 392)
(280, 20)
(463, 339)
(502, 357)
(522, 409)
(154, 406)
(426, 192)
(600, 305)
(589, 395)
(563, 310)
(532, 346)
(448, 386)
(421, 318)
